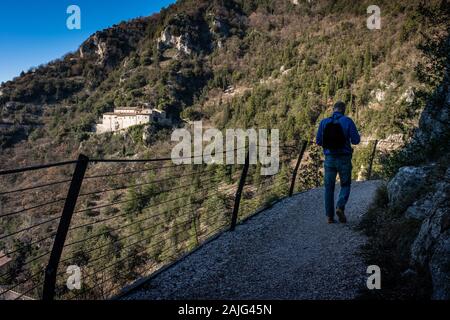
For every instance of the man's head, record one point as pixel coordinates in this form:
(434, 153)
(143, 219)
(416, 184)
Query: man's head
(339, 107)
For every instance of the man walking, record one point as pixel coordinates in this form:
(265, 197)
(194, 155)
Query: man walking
(335, 135)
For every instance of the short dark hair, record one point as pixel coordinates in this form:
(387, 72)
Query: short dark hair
(339, 106)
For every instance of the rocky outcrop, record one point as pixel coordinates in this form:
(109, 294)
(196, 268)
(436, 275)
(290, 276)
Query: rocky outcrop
(219, 29)
(433, 133)
(12, 106)
(196, 33)
(391, 142)
(380, 95)
(434, 123)
(408, 96)
(182, 42)
(431, 249)
(423, 192)
(110, 46)
(421, 208)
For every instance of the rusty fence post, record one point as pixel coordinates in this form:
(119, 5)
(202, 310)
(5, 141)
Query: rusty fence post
(63, 227)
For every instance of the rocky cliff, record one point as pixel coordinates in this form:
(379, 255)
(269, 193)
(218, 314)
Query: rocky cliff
(422, 191)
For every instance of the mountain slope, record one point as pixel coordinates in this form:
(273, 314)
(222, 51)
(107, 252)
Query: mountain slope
(282, 63)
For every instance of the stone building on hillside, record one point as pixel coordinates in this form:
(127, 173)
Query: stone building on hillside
(126, 117)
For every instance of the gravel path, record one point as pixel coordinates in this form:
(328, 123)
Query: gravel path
(286, 252)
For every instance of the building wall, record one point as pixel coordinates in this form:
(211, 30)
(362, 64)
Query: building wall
(143, 118)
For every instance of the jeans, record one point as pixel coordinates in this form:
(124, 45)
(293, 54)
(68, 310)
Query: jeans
(335, 164)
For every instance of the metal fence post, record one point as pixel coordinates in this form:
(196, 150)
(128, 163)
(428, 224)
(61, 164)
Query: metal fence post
(372, 156)
(237, 198)
(297, 165)
(63, 227)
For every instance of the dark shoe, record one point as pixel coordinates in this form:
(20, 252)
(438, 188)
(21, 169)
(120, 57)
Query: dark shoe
(330, 220)
(341, 215)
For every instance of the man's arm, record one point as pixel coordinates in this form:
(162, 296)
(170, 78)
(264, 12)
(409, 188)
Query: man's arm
(319, 134)
(354, 134)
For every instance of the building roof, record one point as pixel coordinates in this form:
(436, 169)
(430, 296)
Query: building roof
(141, 112)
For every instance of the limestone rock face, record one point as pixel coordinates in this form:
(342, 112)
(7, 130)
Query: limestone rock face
(391, 142)
(219, 27)
(439, 268)
(431, 248)
(380, 95)
(12, 106)
(110, 46)
(424, 192)
(146, 135)
(97, 47)
(408, 95)
(407, 184)
(434, 124)
(189, 34)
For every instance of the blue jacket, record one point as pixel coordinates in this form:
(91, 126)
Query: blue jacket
(350, 131)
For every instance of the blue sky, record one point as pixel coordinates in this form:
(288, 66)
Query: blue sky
(33, 32)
